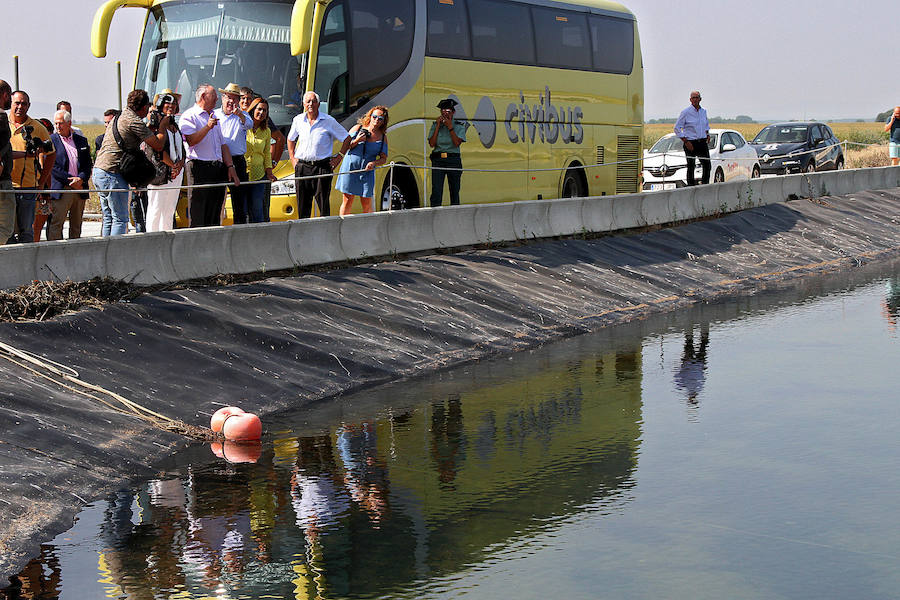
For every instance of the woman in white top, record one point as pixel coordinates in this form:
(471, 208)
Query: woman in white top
(163, 199)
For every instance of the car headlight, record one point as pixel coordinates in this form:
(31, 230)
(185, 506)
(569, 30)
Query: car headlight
(284, 187)
(791, 162)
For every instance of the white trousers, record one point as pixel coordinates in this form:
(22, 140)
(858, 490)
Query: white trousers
(161, 203)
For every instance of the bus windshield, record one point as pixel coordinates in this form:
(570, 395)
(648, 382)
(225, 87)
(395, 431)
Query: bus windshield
(247, 43)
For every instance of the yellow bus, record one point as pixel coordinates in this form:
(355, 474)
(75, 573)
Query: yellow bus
(548, 88)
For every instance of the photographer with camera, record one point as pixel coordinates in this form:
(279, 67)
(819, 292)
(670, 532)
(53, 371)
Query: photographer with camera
(33, 156)
(111, 185)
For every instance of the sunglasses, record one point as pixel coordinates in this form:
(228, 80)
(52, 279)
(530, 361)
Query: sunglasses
(378, 117)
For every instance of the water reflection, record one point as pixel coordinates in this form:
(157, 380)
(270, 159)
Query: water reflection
(691, 373)
(891, 304)
(378, 500)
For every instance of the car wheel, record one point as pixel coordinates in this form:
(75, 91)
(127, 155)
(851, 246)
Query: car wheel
(573, 185)
(755, 173)
(839, 164)
(403, 193)
(810, 167)
(719, 177)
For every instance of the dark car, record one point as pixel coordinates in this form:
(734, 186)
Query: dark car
(797, 147)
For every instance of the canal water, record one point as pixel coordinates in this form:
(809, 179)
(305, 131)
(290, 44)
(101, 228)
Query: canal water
(740, 450)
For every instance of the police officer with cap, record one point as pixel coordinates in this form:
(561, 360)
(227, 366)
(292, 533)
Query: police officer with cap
(445, 137)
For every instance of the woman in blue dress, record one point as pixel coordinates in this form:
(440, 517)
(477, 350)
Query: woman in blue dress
(368, 149)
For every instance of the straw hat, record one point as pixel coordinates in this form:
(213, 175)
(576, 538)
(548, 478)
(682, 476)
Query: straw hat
(231, 88)
(163, 93)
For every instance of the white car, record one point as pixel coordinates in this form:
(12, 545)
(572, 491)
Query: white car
(665, 167)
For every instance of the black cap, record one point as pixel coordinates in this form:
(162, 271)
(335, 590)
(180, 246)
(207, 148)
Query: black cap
(447, 103)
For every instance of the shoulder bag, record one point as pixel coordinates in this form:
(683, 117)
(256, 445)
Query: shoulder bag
(134, 166)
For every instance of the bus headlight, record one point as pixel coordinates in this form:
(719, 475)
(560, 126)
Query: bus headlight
(283, 187)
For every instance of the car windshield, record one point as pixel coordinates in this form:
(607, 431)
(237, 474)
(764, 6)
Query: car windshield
(781, 134)
(672, 143)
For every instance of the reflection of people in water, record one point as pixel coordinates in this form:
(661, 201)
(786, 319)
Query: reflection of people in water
(691, 374)
(41, 578)
(365, 475)
(447, 438)
(891, 304)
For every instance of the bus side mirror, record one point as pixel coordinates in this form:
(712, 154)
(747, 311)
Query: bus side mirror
(103, 19)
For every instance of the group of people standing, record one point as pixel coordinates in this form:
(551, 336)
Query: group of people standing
(235, 144)
(39, 154)
(233, 147)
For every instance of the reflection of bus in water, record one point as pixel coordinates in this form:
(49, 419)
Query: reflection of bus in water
(547, 87)
(466, 466)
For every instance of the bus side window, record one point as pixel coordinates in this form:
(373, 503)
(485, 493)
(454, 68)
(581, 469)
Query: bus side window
(448, 29)
(613, 44)
(501, 32)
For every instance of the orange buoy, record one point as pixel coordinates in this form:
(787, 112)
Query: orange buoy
(219, 417)
(234, 452)
(243, 427)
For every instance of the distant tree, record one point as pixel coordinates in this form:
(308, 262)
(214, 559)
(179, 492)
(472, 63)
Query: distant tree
(743, 119)
(884, 116)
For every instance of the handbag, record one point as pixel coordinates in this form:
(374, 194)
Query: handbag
(134, 166)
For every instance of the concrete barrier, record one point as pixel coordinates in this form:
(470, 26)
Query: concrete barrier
(794, 186)
(412, 230)
(193, 253)
(202, 251)
(655, 207)
(597, 213)
(454, 226)
(364, 236)
(531, 219)
(771, 190)
(261, 247)
(566, 216)
(75, 260)
(628, 210)
(494, 223)
(144, 258)
(706, 200)
(17, 265)
(683, 202)
(316, 241)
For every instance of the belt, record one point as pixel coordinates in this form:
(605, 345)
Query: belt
(207, 162)
(443, 154)
(321, 161)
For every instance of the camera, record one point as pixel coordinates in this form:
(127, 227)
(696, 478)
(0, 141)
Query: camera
(154, 119)
(164, 99)
(34, 145)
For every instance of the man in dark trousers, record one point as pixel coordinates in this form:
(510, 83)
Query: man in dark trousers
(70, 174)
(692, 127)
(310, 143)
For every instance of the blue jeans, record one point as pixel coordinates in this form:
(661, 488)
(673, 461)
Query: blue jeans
(113, 204)
(23, 230)
(257, 196)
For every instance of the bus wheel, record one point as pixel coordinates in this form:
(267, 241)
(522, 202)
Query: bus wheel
(403, 194)
(573, 185)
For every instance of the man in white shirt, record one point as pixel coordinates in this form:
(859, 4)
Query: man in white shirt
(234, 123)
(310, 143)
(692, 127)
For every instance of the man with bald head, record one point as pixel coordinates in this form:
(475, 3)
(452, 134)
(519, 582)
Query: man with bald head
(692, 127)
(7, 198)
(31, 164)
(209, 159)
(893, 125)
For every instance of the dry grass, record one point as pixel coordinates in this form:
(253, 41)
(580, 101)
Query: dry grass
(872, 156)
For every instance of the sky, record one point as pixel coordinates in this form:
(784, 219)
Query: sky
(769, 59)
